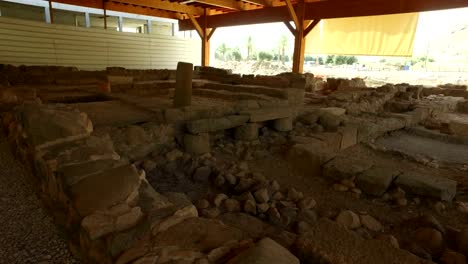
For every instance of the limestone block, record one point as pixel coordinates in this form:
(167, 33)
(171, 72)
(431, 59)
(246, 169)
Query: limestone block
(104, 189)
(283, 124)
(376, 180)
(216, 124)
(266, 114)
(266, 251)
(337, 111)
(426, 185)
(459, 126)
(197, 144)
(345, 168)
(307, 159)
(183, 91)
(349, 136)
(46, 125)
(247, 132)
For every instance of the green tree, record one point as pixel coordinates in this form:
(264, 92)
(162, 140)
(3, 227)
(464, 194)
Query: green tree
(340, 60)
(249, 47)
(265, 56)
(282, 45)
(221, 51)
(236, 55)
(330, 59)
(350, 60)
(320, 60)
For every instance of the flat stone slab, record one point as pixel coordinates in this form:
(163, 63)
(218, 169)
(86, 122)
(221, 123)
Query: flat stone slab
(266, 114)
(216, 124)
(435, 148)
(104, 189)
(266, 251)
(307, 159)
(437, 187)
(114, 113)
(333, 110)
(345, 168)
(376, 180)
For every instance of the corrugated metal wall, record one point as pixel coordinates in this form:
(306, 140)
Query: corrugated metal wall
(34, 43)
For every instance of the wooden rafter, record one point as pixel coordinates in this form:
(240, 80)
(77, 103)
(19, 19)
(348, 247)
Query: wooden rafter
(328, 9)
(292, 13)
(311, 26)
(229, 4)
(290, 27)
(119, 7)
(211, 32)
(196, 25)
(165, 5)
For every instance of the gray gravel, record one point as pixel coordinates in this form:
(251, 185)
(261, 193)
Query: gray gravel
(27, 232)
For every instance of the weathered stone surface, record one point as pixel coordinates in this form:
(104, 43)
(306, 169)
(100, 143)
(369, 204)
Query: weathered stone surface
(337, 111)
(216, 124)
(349, 136)
(459, 126)
(197, 144)
(283, 124)
(104, 189)
(98, 225)
(370, 223)
(250, 207)
(330, 122)
(266, 251)
(49, 124)
(437, 187)
(266, 114)
(345, 168)
(232, 205)
(376, 180)
(247, 132)
(262, 195)
(307, 159)
(202, 174)
(429, 239)
(183, 91)
(348, 219)
(178, 217)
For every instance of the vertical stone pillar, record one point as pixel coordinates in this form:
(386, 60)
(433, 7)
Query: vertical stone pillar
(183, 90)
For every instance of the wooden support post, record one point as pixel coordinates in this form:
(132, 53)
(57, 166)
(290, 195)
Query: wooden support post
(183, 90)
(299, 39)
(105, 13)
(205, 35)
(51, 12)
(205, 42)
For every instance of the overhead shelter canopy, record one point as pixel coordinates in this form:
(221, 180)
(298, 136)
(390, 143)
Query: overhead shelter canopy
(205, 16)
(387, 35)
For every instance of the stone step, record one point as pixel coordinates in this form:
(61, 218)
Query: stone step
(232, 96)
(216, 124)
(254, 89)
(267, 114)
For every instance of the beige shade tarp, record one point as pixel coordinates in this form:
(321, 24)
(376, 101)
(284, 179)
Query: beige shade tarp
(389, 35)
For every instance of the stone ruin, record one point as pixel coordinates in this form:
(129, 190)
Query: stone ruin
(251, 169)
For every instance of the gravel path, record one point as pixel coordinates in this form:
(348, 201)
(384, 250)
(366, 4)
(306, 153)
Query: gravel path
(27, 233)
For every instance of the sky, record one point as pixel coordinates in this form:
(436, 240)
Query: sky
(432, 29)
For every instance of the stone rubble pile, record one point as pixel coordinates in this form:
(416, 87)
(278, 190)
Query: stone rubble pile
(111, 211)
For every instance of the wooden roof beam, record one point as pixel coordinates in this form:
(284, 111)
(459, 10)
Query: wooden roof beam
(119, 7)
(228, 4)
(327, 9)
(165, 5)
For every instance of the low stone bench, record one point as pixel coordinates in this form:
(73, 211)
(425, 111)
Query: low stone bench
(281, 117)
